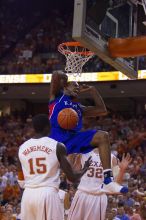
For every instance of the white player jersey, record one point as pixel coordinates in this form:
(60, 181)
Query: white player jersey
(91, 182)
(39, 163)
(62, 194)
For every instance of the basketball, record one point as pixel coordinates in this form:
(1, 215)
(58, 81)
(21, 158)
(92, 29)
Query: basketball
(68, 118)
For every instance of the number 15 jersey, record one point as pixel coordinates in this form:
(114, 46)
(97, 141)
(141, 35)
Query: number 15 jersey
(39, 163)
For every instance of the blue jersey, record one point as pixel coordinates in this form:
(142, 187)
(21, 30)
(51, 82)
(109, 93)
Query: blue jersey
(60, 103)
(76, 141)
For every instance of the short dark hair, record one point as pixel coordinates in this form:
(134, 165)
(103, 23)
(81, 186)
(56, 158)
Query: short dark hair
(40, 122)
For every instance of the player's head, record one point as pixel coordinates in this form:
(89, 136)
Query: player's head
(41, 124)
(72, 89)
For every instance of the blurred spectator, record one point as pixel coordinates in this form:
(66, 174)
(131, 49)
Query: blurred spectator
(143, 169)
(121, 214)
(128, 200)
(29, 41)
(132, 215)
(16, 129)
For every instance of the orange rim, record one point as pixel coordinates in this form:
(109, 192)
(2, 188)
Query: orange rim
(73, 44)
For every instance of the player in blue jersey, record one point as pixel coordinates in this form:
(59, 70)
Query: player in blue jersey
(64, 94)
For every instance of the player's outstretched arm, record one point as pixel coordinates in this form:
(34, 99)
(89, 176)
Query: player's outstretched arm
(58, 81)
(72, 175)
(99, 108)
(121, 168)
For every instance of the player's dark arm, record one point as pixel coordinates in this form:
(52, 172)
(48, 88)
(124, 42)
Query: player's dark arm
(20, 174)
(72, 175)
(58, 81)
(99, 108)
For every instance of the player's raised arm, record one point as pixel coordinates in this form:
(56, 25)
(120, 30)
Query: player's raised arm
(119, 168)
(72, 175)
(99, 108)
(58, 81)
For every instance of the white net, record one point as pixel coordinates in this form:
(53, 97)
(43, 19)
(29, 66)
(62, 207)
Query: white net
(76, 57)
(140, 2)
(144, 5)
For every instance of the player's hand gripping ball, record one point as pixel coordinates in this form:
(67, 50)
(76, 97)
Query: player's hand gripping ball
(68, 118)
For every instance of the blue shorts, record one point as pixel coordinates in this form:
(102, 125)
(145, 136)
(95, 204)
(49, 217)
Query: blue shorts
(75, 142)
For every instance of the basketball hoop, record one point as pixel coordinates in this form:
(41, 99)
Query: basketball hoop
(140, 2)
(144, 5)
(76, 56)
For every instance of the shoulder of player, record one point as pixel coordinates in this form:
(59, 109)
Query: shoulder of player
(61, 147)
(24, 143)
(56, 98)
(60, 151)
(84, 157)
(51, 141)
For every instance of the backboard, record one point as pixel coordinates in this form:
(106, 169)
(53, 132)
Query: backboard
(120, 21)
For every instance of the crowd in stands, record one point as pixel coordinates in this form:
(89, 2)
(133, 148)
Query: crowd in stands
(28, 42)
(126, 135)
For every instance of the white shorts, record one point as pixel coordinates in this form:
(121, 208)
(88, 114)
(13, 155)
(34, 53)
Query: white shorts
(41, 203)
(88, 207)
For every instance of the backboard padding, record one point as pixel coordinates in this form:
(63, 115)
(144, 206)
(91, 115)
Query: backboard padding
(95, 42)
